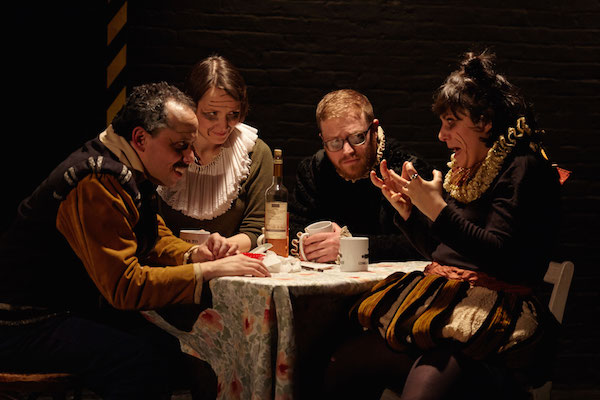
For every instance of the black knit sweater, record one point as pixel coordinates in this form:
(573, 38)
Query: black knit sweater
(509, 232)
(322, 194)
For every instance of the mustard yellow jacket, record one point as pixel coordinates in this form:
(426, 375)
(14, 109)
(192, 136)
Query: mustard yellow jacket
(80, 236)
(97, 219)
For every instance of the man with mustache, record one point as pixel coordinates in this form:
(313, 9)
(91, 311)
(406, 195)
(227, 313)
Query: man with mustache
(333, 184)
(87, 251)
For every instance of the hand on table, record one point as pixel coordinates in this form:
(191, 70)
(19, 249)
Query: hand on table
(323, 247)
(214, 248)
(236, 265)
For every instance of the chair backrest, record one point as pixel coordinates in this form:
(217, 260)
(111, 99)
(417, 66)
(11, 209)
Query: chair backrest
(560, 275)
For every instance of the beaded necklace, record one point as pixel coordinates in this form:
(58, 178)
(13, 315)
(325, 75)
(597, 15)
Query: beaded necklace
(468, 184)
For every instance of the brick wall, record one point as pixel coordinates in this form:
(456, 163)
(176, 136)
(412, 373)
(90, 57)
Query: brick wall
(293, 52)
(397, 52)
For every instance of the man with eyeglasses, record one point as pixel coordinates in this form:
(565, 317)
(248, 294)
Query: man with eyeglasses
(333, 184)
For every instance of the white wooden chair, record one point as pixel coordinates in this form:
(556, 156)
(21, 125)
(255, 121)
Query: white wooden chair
(559, 275)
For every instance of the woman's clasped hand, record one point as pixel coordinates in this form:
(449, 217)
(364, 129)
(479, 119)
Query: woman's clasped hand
(408, 189)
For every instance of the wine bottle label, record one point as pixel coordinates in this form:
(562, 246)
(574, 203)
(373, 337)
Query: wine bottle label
(276, 220)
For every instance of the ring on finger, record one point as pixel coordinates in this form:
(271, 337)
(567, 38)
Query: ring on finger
(414, 176)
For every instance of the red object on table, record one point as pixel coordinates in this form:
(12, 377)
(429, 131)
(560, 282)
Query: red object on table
(258, 256)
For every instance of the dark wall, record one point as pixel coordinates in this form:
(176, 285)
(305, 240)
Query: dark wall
(292, 53)
(54, 85)
(397, 52)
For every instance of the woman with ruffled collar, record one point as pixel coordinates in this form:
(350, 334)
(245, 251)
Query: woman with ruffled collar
(470, 325)
(223, 191)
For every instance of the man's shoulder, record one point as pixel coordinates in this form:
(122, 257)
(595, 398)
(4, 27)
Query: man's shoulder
(317, 171)
(396, 154)
(396, 151)
(92, 159)
(315, 162)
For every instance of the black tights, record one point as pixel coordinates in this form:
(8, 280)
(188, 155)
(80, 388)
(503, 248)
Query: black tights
(364, 366)
(443, 373)
(433, 376)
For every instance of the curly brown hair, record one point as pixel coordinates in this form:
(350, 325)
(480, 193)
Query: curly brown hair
(477, 88)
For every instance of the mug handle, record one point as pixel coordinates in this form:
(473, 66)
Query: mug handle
(301, 246)
(260, 240)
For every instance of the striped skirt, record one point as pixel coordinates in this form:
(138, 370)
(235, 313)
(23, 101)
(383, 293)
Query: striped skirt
(418, 311)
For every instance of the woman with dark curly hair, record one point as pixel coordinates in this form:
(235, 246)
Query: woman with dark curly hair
(470, 324)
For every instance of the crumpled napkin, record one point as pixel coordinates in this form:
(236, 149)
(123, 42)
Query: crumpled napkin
(275, 263)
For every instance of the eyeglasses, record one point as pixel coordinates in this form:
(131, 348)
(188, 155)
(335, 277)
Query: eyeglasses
(356, 139)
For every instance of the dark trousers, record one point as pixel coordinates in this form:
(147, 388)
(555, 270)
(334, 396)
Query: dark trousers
(118, 355)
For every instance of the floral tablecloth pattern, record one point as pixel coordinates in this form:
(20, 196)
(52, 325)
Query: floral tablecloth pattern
(248, 334)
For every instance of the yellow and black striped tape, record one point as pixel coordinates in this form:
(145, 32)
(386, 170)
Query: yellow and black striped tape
(116, 57)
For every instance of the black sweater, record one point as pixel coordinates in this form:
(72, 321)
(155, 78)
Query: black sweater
(509, 232)
(322, 194)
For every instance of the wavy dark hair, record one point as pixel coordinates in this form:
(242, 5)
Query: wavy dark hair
(217, 72)
(487, 96)
(145, 107)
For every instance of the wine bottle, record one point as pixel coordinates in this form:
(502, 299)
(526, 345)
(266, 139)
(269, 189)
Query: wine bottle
(276, 214)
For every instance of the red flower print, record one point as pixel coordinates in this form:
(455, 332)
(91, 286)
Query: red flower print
(248, 324)
(282, 367)
(235, 388)
(211, 319)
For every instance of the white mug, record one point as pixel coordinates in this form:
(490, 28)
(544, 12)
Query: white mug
(354, 254)
(194, 236)
(317, 227)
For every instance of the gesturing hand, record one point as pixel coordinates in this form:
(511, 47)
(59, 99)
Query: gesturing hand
(391, 187)
(423, 194)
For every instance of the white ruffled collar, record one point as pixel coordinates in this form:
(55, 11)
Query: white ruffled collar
(207, 191)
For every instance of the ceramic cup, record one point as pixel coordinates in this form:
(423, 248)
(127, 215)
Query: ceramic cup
(317, 227)
(354, 254)
(194, 236)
